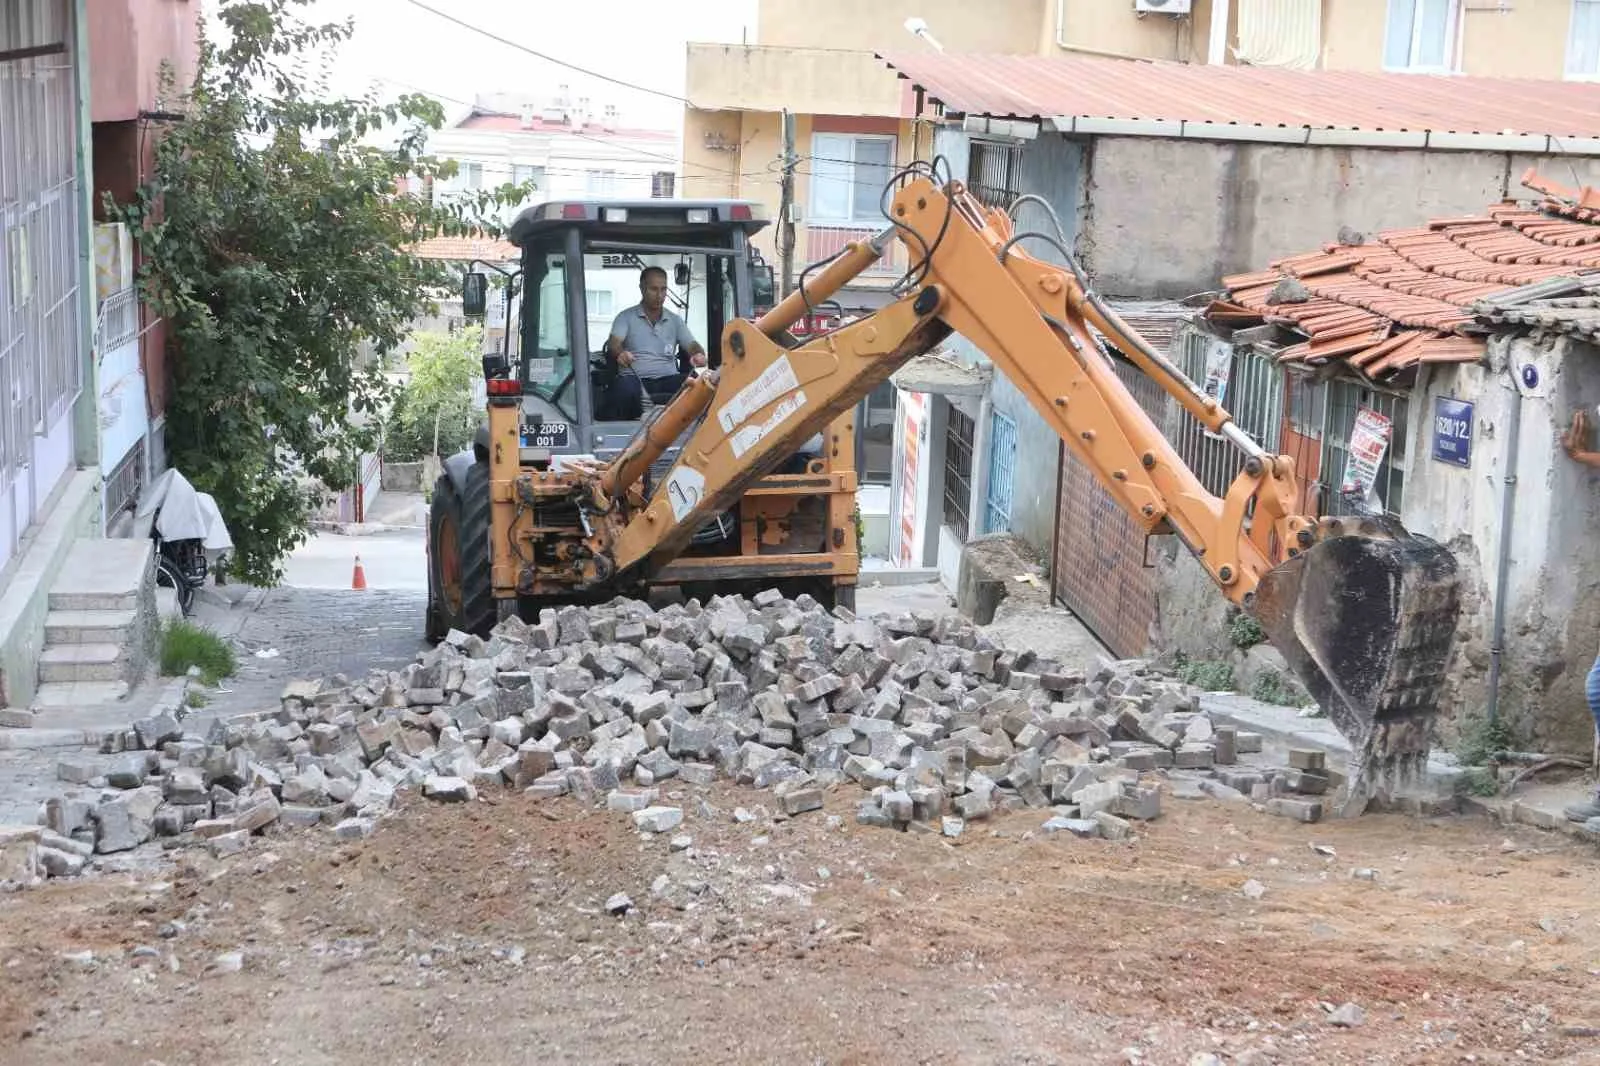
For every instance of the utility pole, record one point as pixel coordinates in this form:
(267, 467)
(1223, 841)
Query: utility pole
(786, 210)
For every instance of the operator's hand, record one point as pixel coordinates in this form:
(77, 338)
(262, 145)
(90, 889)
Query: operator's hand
(624, 358)
(698, 359)
(1576, 438)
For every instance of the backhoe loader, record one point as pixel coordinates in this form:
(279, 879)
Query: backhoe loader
(1363, 611)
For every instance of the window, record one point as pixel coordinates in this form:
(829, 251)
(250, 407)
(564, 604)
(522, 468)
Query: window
(1308, 405)
(600, 183)
(1421, 36)
(957, 471)
(474, 173)
(1345, 400)
(1583, 40)
(599, 301)
(994, 172)
(548, 367)
(523, 172)
(662, 184)
(848, 174)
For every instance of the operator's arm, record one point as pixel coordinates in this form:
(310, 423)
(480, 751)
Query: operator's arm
(1575, 439)
(686, 341)
(619, 333)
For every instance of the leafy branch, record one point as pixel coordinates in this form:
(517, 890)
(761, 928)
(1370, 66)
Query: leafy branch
(276, 239)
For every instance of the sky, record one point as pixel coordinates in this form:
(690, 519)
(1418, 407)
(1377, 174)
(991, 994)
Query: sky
(404, 48)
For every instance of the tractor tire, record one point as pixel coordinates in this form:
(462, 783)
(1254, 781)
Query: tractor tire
(460, 591)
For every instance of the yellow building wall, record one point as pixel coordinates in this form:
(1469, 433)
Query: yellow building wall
(1528, 40)
(815, 80)
(1097, 26)
(959, 25)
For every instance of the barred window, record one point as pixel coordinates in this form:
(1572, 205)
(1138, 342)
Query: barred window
(957, 471)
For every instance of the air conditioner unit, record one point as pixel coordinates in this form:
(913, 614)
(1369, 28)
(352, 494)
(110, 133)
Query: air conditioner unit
(1162, 7)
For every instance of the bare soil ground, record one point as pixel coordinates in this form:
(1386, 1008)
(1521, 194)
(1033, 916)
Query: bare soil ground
(478, 933)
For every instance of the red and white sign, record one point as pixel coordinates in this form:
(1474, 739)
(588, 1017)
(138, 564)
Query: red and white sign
(913, 435)
(1369, 440)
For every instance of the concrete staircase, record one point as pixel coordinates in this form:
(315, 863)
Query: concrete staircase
(100, 632)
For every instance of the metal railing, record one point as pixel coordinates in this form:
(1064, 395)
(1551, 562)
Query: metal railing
(117, 322)
(124, 482)
(1248, 384)
(41, 334)
(1345, 399)
(823, 240)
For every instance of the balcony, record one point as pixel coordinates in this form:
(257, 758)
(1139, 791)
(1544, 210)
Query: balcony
(823, 240)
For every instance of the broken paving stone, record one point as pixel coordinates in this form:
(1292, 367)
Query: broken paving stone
(1348, 1016)
(658, 819)
(619, 904)
(354, 828)
(951, 827)
(1253, 889)
(448, 789)
(1078, 827)
(681, 842)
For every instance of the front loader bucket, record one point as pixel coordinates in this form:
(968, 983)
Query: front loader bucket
(1366, 619)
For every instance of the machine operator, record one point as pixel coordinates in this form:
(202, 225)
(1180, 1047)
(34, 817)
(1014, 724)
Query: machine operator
(646, 338)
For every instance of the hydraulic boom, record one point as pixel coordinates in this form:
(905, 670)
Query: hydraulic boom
(1363, 611)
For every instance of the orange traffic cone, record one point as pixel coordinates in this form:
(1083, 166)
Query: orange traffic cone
(358, 580)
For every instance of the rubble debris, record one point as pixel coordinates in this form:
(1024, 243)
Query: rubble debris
(615, 704)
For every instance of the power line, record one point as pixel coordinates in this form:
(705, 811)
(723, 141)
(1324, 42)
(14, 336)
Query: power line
(547, 58)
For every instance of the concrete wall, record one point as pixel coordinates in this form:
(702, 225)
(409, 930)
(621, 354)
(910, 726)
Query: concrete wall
(1552, 610)
(1167, 218)
(128, 41)
(820, 81)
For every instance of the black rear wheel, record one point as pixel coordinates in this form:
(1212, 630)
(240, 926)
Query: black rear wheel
(460, 592)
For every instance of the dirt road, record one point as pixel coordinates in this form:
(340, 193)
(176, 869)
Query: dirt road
(479, 933)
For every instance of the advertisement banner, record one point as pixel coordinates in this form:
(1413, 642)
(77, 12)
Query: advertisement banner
(1369, 440)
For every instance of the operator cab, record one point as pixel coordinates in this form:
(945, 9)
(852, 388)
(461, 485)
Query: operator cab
(580, 266)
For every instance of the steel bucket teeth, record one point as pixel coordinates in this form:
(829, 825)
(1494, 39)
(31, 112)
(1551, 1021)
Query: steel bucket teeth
(1366, 620)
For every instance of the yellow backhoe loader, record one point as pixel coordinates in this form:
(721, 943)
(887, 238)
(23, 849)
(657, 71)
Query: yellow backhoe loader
(1363, 611)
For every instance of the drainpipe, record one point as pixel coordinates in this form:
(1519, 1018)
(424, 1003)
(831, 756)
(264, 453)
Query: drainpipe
(1503, 563)
(1216, 53)
(1061, 39)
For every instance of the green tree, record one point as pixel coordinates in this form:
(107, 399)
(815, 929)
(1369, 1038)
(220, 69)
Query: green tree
(435, 413)
(275, 239)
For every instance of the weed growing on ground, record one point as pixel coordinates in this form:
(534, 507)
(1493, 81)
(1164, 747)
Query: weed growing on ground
(1272, 687)
(185, 644)
(1482, 739)
(1245, 632)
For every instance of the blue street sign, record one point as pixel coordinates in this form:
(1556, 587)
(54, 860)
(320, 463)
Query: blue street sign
(1452, 431)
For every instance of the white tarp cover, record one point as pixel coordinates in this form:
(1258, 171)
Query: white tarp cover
(184, 514)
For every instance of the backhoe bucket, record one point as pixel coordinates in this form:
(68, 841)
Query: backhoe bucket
(1366, 619)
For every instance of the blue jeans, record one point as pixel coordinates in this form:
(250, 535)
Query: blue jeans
(1591, 691)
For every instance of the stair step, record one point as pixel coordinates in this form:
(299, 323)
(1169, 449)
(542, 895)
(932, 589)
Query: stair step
(57, 695)
(81, 662)
(102, 574)
(88, 627)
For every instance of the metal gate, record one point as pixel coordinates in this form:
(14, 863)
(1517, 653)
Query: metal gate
(1002, 474)
(1098, 570)
(41, 321)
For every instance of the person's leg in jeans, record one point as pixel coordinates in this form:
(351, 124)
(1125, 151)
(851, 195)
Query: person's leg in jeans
(1583, 812)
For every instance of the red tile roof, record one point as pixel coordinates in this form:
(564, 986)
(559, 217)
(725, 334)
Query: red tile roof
(1402, 297)
(1093, 88)
(462, 249)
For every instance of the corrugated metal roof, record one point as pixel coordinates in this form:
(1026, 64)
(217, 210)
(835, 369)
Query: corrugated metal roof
(1384, 304)
(1048, 87)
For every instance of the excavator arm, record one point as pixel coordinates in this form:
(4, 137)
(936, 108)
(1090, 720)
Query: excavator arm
(1363, 611)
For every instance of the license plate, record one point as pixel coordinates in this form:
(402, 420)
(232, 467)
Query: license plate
(546, 435)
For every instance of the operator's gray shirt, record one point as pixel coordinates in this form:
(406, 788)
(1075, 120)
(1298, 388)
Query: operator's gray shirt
(655, 345)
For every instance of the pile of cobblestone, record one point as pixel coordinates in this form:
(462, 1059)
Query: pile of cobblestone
(616, 703)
